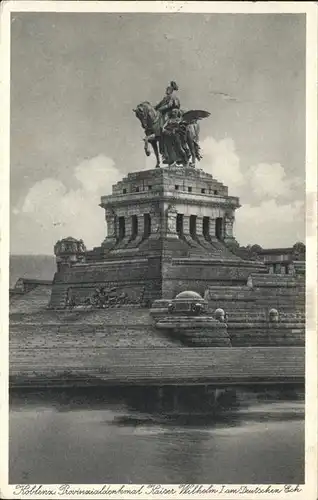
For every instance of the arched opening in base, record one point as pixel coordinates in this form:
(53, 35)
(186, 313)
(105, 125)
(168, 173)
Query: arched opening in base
(147, 225)
(219, 228)
(121, 227)
(134, 226)
(193, 226)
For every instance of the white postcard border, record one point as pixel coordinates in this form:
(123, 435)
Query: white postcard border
(309, 490)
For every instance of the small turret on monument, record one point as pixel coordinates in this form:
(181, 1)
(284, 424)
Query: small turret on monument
(69, 251)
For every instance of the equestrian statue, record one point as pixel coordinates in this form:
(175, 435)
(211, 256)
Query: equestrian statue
(172, 133)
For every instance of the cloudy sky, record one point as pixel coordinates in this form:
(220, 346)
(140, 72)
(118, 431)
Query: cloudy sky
(76, 78)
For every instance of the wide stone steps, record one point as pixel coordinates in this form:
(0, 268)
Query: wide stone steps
(58, 300)
(254, 335)
(125, 315)
(159, 366)
(32, 301)
(259, 340)
(88, 335)
(218, 246)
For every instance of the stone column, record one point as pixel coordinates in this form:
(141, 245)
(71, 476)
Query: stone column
(111, 222)
(228, 227)
(171, 221)
(186, 224)
(110, 218)
(140, 218)
(199, 225)
(212, 229)
(128, 226)
(291, 268)
(156, 223)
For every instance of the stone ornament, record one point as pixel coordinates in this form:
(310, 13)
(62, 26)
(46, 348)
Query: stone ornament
(171, 214)
(229, 216)
(189, 303)
(69, 245)
(110, 217)
(299, 251)
(104, 298)
(219, 314)
(273, 315)
(155, 218)
(250, 282)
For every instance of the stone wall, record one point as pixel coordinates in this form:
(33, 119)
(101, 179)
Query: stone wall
(131, 276)
(248, 307)
(197, 274)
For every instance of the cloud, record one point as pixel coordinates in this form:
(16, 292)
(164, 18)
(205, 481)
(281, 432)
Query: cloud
(221, 160)
(273, 210)
(269, 180)
(50, 211)
(270, 224)
(97, 174)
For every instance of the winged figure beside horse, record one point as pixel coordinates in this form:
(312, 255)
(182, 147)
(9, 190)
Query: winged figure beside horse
(172, 133)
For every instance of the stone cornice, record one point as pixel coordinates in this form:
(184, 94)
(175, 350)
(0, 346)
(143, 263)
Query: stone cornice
(190, 261)
(92, 264)
(189, 198)
(167, 173)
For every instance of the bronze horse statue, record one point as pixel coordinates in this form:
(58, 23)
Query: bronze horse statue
(186, 137)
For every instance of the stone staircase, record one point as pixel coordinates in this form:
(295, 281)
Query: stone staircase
(58, 298)
(93, 335)
(221, 249)
(62, 365)
(31, 301)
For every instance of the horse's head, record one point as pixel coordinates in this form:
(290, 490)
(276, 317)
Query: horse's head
(140, 114)
(145, 114)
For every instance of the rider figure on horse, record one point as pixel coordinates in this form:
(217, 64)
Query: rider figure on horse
(169, 102)
(172, 132)
(171, 144)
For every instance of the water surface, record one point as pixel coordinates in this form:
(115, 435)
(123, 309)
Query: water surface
(54, 440)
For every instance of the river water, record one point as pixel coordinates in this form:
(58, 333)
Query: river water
(59, 439)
